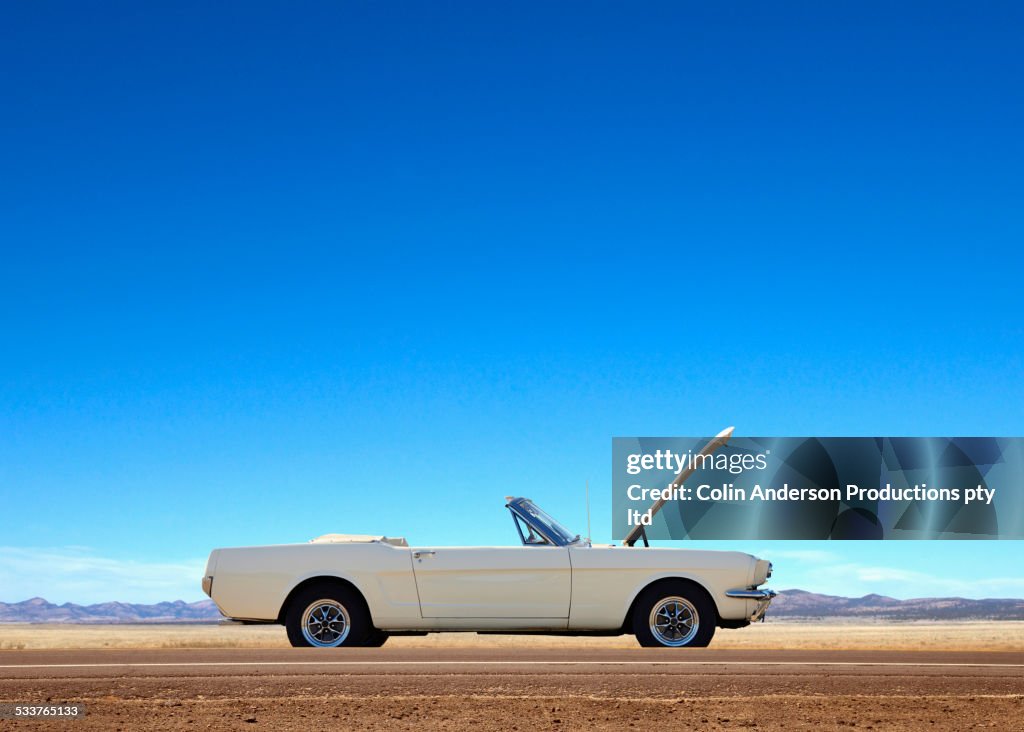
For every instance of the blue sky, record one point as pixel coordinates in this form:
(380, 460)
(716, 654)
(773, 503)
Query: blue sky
(371, 267)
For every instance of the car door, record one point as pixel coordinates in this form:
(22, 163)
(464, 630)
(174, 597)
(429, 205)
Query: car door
(493, 582)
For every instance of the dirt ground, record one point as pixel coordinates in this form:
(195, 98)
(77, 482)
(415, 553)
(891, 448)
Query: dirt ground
(492, 702)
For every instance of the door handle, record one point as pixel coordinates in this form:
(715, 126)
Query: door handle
(424, 553)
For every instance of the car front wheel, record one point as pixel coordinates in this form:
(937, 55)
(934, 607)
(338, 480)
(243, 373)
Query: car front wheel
(674, 615)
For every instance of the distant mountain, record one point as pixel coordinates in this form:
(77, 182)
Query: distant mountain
(790, 604)
(801, 604)
(38, 610)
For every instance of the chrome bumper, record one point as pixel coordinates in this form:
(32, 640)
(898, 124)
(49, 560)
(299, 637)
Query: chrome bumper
(763, 597)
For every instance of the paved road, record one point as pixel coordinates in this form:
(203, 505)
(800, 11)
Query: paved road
(489, 689)
(234, 662)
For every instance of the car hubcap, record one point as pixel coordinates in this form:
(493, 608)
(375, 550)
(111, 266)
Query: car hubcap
(674, 621)
(325, 623)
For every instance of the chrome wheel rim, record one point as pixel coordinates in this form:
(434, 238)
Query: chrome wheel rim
(674, 621)
(325, 623)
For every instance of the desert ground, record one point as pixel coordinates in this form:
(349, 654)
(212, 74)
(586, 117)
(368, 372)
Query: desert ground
(771, 635)
(772, 676)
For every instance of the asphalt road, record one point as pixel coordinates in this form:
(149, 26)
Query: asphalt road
(488, 689)
(58, 664)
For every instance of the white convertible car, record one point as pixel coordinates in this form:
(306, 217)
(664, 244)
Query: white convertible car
(348, 590)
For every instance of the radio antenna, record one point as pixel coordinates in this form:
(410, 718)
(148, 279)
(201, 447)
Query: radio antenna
(590, 537)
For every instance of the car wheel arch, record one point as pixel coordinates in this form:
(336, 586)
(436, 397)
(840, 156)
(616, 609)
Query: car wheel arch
(689, 581)
(326, 580)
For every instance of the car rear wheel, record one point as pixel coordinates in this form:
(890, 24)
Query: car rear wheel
(330, 616)
(674, 614)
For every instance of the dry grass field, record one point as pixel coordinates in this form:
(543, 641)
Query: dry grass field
(807, 635)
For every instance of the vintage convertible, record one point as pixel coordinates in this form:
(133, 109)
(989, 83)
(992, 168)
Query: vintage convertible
(349, 590)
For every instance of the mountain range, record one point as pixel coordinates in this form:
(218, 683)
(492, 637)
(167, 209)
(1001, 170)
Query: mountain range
(38, 610)
(801, 604)
(789, 604)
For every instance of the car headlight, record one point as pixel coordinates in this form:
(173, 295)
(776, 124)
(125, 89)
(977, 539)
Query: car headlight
(762, 571)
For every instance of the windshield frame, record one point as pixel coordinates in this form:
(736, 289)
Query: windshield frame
(542, 522)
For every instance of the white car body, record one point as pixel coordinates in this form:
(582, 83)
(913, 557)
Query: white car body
(540, 586)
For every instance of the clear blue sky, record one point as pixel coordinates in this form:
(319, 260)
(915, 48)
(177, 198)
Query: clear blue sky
(271, 271)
